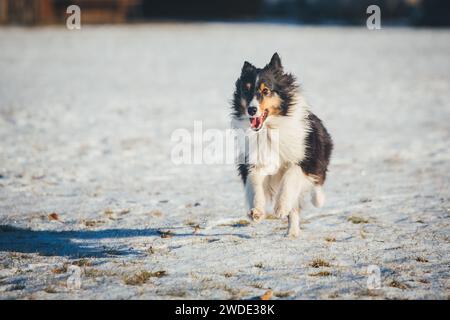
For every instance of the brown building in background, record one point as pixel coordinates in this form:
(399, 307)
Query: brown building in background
(33, 12)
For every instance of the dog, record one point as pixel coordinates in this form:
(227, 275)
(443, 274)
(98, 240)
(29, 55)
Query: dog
(266, 101)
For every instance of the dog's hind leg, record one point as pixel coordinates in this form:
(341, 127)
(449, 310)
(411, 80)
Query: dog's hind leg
(294, 223)
(317, 196)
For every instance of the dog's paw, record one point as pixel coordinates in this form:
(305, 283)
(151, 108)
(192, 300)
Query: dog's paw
(293, 233)
(256, 215)
(280, 212)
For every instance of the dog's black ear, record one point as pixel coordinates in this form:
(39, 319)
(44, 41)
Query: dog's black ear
(275, 62)
(247, 67)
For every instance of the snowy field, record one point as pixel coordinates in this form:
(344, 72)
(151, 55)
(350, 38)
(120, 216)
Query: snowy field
(88, 191)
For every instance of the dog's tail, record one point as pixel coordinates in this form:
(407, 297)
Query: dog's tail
(317, 196)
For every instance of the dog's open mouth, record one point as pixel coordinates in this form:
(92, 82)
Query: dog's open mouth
(256, 123)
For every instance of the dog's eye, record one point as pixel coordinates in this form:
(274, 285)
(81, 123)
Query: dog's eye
(265, 91)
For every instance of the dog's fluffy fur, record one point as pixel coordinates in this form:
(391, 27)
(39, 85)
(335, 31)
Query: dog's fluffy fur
(269, 99)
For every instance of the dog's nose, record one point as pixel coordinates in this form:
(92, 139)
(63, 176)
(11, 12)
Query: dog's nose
(252, 110)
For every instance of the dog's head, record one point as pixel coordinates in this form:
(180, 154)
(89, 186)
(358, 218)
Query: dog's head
(263, 93)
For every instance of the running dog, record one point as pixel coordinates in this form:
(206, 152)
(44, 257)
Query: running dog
(266, 101)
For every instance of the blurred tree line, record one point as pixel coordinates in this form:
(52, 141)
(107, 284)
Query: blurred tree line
(347, 12)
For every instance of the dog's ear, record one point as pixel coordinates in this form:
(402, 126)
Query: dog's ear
(275, 62)
(247, 67)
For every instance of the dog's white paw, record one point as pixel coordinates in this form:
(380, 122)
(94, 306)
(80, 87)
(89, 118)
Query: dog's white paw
(256, 215)
(280, 212)
(293, 233)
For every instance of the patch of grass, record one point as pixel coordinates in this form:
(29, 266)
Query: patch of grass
(166, 234)
(19, 255)
(95, 273)
(362, 234)
(82, 263)
(108, 212)
(421, 259)
(114, 252)
(190, 205)
(196, 228)
(397, 284)
(156, 213)
(259, 265)
(333, 295)
(60, 270)
(124, 211)
(190, 223)
(357, 219)
(93, 223)
(227, 274)
(137, 279)
(283, 294)
(318, 263)
(321, 274)
(241, 223)
(143, 276)
(158, 274)
(258, 285)
(237, 224)
(370, 293)
(50, 289)
(330, 239)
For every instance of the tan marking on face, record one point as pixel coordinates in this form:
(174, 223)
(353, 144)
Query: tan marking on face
(248, 85)
(264, 89)
(272, 104)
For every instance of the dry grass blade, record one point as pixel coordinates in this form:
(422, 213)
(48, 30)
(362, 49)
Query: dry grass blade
(318, 263)
(53, 217)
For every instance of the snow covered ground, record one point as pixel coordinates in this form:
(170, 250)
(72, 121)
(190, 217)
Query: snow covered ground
(88, 191)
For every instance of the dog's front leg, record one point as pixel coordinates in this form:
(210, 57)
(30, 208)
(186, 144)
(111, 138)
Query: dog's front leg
(254, 189)
(288, 195)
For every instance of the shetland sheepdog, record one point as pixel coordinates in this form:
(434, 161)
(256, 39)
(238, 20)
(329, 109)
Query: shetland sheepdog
(268, 101)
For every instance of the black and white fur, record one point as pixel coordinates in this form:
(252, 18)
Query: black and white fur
(304, 144)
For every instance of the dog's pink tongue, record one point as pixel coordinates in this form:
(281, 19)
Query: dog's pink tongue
(254, 122)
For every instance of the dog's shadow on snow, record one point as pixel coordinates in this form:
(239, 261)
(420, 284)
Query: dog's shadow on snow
(74, 244)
